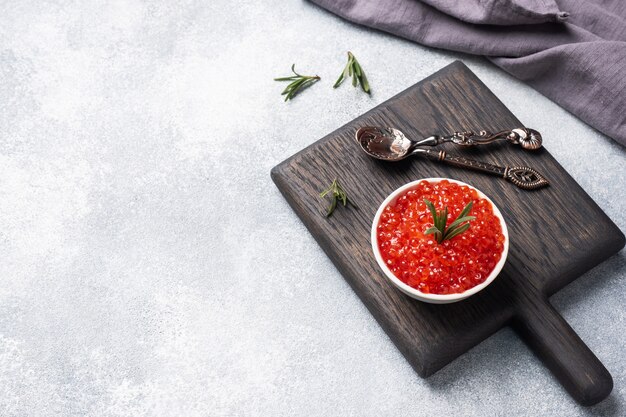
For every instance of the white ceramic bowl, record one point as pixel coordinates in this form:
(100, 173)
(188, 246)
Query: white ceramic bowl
(413, 292)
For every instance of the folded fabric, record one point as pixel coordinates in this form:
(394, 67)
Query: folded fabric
(572, 51)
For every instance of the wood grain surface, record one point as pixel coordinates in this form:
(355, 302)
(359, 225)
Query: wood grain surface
(556, 233)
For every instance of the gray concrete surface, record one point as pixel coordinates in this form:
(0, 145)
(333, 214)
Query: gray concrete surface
(149, 267)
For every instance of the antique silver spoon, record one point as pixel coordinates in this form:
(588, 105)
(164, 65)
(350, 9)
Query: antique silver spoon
(392, 145)
(528, 139)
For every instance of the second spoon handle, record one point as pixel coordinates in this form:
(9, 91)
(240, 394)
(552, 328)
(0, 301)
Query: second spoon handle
(523, 177)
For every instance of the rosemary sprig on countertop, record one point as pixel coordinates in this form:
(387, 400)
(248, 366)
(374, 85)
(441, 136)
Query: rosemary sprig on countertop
(440, 218)
(298, 83)
(353, 69)
(338, 195)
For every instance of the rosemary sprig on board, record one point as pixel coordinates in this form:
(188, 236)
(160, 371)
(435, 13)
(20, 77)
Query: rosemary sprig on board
(353, 69)
(298, 83)
(440, 218)
(338, 195)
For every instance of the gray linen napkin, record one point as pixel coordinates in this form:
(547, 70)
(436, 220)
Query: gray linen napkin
(572, 51)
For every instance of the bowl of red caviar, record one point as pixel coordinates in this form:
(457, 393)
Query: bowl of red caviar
(439, 240)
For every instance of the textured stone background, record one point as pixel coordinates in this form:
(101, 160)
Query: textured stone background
(149, 267)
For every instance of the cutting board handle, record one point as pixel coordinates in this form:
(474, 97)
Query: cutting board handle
(566, 355)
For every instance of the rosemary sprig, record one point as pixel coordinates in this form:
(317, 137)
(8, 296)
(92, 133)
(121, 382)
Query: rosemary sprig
(298, 83)
(338, 195)
(353, 69)
(440, 218)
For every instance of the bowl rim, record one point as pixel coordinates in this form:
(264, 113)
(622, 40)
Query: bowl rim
(415, 293)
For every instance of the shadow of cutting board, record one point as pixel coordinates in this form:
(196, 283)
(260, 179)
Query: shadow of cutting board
(556, 233)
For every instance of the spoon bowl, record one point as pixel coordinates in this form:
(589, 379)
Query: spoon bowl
(386, 143)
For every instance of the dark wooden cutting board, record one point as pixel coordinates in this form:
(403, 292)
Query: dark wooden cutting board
(556, 233)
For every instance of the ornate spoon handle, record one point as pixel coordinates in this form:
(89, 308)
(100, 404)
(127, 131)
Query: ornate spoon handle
(523, 177)
(528, 139)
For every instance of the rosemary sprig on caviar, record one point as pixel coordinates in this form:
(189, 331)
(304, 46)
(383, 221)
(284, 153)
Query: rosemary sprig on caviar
(440, 218)
(337, 195)
(298, 83)
(353, 69)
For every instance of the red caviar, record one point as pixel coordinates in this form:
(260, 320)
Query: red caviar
(452, 266)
